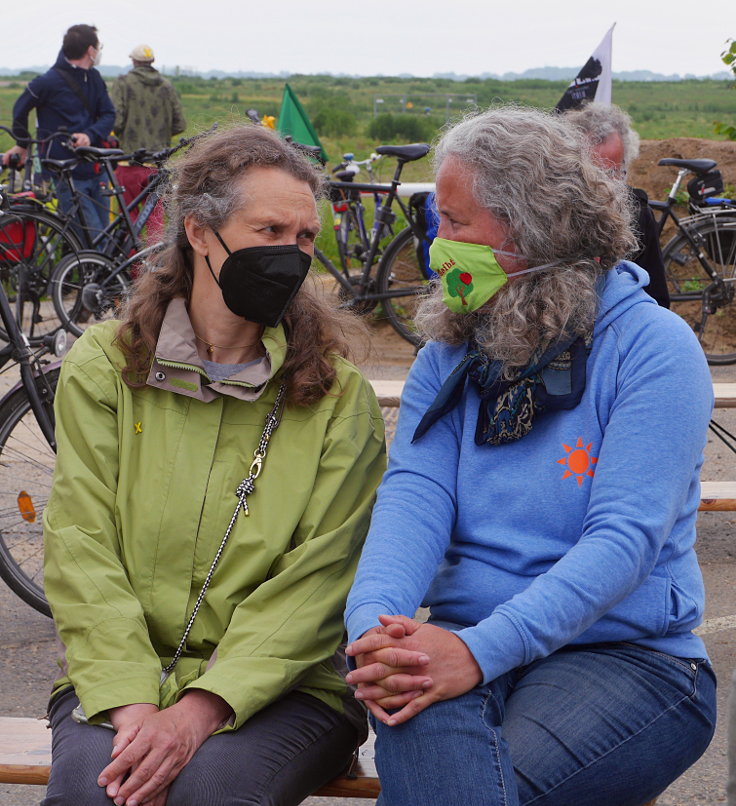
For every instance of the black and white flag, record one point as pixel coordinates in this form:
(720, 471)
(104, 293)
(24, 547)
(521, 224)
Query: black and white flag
(593, 82)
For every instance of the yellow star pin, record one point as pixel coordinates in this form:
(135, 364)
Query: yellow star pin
(138, 428)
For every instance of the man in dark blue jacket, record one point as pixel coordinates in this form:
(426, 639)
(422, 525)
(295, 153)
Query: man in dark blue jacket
(71, 96)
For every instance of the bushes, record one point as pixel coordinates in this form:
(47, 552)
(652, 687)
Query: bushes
(403, 128)
(334, 121)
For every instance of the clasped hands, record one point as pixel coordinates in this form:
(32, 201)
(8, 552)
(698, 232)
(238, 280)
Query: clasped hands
(152, 746)
(403, 666)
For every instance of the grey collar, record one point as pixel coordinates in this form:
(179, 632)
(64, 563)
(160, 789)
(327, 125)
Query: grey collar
(178, 368)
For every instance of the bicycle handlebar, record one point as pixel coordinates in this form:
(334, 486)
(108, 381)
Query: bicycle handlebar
(40, 140)
(349, 161)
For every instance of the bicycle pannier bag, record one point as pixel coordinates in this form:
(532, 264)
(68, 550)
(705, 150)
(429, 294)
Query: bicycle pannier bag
(17, 240)
(704, 186)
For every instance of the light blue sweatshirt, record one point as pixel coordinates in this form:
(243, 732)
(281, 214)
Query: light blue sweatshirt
(582, 531)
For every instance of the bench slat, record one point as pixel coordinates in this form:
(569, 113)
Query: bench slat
(725, 394)
(717, 496)
(389, 393)
(25, 751)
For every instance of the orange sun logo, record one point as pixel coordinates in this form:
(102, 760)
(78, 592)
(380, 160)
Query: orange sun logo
(578, 461)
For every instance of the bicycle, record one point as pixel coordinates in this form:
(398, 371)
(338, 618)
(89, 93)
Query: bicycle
(402, 277)
(700, 260)
(351, 233)
(32, 240)
(26, 453)
(91, 284)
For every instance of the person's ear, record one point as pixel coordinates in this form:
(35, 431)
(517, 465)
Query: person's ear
(196, 235)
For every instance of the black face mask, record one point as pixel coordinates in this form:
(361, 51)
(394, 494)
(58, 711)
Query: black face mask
(259, 283)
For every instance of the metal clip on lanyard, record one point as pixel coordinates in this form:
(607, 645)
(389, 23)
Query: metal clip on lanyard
(243, 490)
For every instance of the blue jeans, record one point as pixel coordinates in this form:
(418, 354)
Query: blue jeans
(605, 724)
(96, 207)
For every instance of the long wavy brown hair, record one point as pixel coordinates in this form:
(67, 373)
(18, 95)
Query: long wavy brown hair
(204, 184)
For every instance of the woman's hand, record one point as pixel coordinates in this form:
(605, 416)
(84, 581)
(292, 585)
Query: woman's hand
(151, 747)
(397, 674)
(450, 667)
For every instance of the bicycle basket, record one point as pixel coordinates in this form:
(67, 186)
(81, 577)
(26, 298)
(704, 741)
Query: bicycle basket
(704, 186)
(17, 241)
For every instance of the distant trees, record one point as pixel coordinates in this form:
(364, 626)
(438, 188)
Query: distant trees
(387, 128)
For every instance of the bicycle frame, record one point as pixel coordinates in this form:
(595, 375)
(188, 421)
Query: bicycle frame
(126, 265)
(686, 228)
(19, 350)
(383, 220)
(689, 228)
(105, 241)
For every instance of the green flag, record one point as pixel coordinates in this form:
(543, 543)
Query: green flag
(293, 120)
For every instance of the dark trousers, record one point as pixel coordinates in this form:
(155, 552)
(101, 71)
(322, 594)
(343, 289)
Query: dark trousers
(279, 757)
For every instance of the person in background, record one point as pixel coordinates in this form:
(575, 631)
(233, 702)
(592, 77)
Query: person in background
(148, 113)
(217, 463)
(615, 146)
(71, 96)
(536, 501)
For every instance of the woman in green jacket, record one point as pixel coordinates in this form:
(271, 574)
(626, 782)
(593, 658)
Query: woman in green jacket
(212, 666)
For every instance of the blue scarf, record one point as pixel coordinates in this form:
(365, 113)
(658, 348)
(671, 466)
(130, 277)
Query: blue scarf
(508, 407)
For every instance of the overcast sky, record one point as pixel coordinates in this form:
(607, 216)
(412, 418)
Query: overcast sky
(422, 37)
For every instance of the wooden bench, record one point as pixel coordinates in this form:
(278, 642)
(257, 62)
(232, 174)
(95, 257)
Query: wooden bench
(389, 393)
(25, 758)
(715, 496)
(725, 394)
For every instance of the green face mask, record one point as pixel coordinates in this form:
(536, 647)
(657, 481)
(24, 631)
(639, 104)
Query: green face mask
(469, 273)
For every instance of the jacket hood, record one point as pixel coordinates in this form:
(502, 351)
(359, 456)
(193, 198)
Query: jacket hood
(621, 287)
(148, 75)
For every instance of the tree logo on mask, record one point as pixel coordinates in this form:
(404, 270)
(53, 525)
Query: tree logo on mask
(459, 283)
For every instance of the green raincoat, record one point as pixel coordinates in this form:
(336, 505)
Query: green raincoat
(143, 490)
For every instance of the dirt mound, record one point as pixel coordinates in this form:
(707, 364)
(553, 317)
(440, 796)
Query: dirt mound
(657, 180)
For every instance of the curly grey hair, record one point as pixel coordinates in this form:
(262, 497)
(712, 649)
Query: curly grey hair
(599, 121)
(533, 171)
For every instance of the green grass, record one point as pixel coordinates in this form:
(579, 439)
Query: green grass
(659, 110)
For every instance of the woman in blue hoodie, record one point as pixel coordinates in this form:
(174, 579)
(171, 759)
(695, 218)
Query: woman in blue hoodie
(541, 500)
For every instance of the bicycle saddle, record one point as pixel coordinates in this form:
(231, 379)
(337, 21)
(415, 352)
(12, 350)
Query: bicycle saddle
(414, 151)
(698, 166)
(93, 154)
(59, 165)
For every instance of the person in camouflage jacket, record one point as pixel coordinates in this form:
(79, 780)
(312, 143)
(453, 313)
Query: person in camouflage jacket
(148, 113)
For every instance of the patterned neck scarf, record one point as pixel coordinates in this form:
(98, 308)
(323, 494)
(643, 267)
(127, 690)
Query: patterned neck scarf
(508, 407)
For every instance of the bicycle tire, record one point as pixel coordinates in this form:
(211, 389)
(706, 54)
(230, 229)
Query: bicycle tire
(83, 292)
(26, 468)
(401, 271)
(32, 242)
(710, 311)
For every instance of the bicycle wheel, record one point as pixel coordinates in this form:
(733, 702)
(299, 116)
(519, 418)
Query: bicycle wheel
(83, 291)
(26, 467)
(31, 244)
(351, 247)
(707, 306)
(335, 294)
(402, 279)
